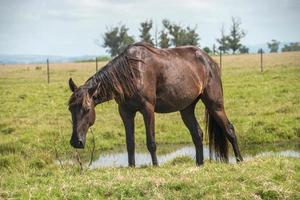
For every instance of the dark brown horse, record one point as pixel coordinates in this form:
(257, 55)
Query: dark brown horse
(146, 79)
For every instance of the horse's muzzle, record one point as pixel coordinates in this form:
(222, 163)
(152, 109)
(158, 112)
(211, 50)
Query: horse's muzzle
(78, 144)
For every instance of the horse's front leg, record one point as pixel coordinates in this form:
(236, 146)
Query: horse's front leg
(128, 120)
(148, 115)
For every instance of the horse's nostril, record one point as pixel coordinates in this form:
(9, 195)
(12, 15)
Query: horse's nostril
(80, 144)
(77, 144)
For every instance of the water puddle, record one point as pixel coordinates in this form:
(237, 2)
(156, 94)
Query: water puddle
(168, 152)
(143, 158)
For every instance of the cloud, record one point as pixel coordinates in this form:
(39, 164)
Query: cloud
(71, 26)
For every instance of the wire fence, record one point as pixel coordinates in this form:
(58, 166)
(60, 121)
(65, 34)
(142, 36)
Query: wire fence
(54, 72)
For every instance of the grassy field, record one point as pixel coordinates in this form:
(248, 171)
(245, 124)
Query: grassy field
(35, 128)
(179, 179)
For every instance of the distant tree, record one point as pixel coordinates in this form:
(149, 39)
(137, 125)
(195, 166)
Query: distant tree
(243, 49)
(156, 36)
(223, 41)
(214, 50)
(293, 46)
(273, 46)
(191, 36)
(177, 33)
(181, 35)
(145, 31)
(236, 34)
(286, 48)
(117, 39)
(164, 40)
(207, 50)
(111, 41)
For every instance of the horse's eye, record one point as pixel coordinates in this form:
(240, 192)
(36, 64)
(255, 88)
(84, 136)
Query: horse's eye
(85, 110)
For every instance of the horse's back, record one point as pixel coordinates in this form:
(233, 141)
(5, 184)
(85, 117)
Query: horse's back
(172, 78)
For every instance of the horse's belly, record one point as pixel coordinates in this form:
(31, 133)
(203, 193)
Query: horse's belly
(174, 99)
(178, 84)
(167, 107)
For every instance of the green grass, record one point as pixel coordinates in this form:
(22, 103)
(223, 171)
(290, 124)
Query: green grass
(271, 178)
(35, 123)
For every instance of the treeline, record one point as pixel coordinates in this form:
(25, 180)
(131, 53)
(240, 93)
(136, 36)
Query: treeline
(117, 38)
(273, 46)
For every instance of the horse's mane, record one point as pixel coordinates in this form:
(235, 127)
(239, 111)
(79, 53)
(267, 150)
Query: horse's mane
(117, 78)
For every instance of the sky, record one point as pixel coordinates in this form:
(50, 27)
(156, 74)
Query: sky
(71, 27)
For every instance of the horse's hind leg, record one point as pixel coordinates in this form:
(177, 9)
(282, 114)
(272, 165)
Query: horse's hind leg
(213, 100)
(228, 129)
(190, 121)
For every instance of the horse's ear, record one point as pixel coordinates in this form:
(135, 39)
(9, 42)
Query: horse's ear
(72, 85)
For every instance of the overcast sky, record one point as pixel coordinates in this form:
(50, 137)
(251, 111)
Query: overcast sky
(70, 27)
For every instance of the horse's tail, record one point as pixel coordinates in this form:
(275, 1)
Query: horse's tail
(218, 145)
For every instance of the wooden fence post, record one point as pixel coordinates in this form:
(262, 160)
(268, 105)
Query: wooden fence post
(261, 61)
(48, 72)
(221, 61)
(96, 64)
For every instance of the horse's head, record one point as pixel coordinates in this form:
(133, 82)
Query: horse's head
(82, 109)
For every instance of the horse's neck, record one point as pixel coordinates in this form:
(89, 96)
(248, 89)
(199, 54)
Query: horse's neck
(100, 98)
(98, 89)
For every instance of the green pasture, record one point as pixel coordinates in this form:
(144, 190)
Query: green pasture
(35, 130)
